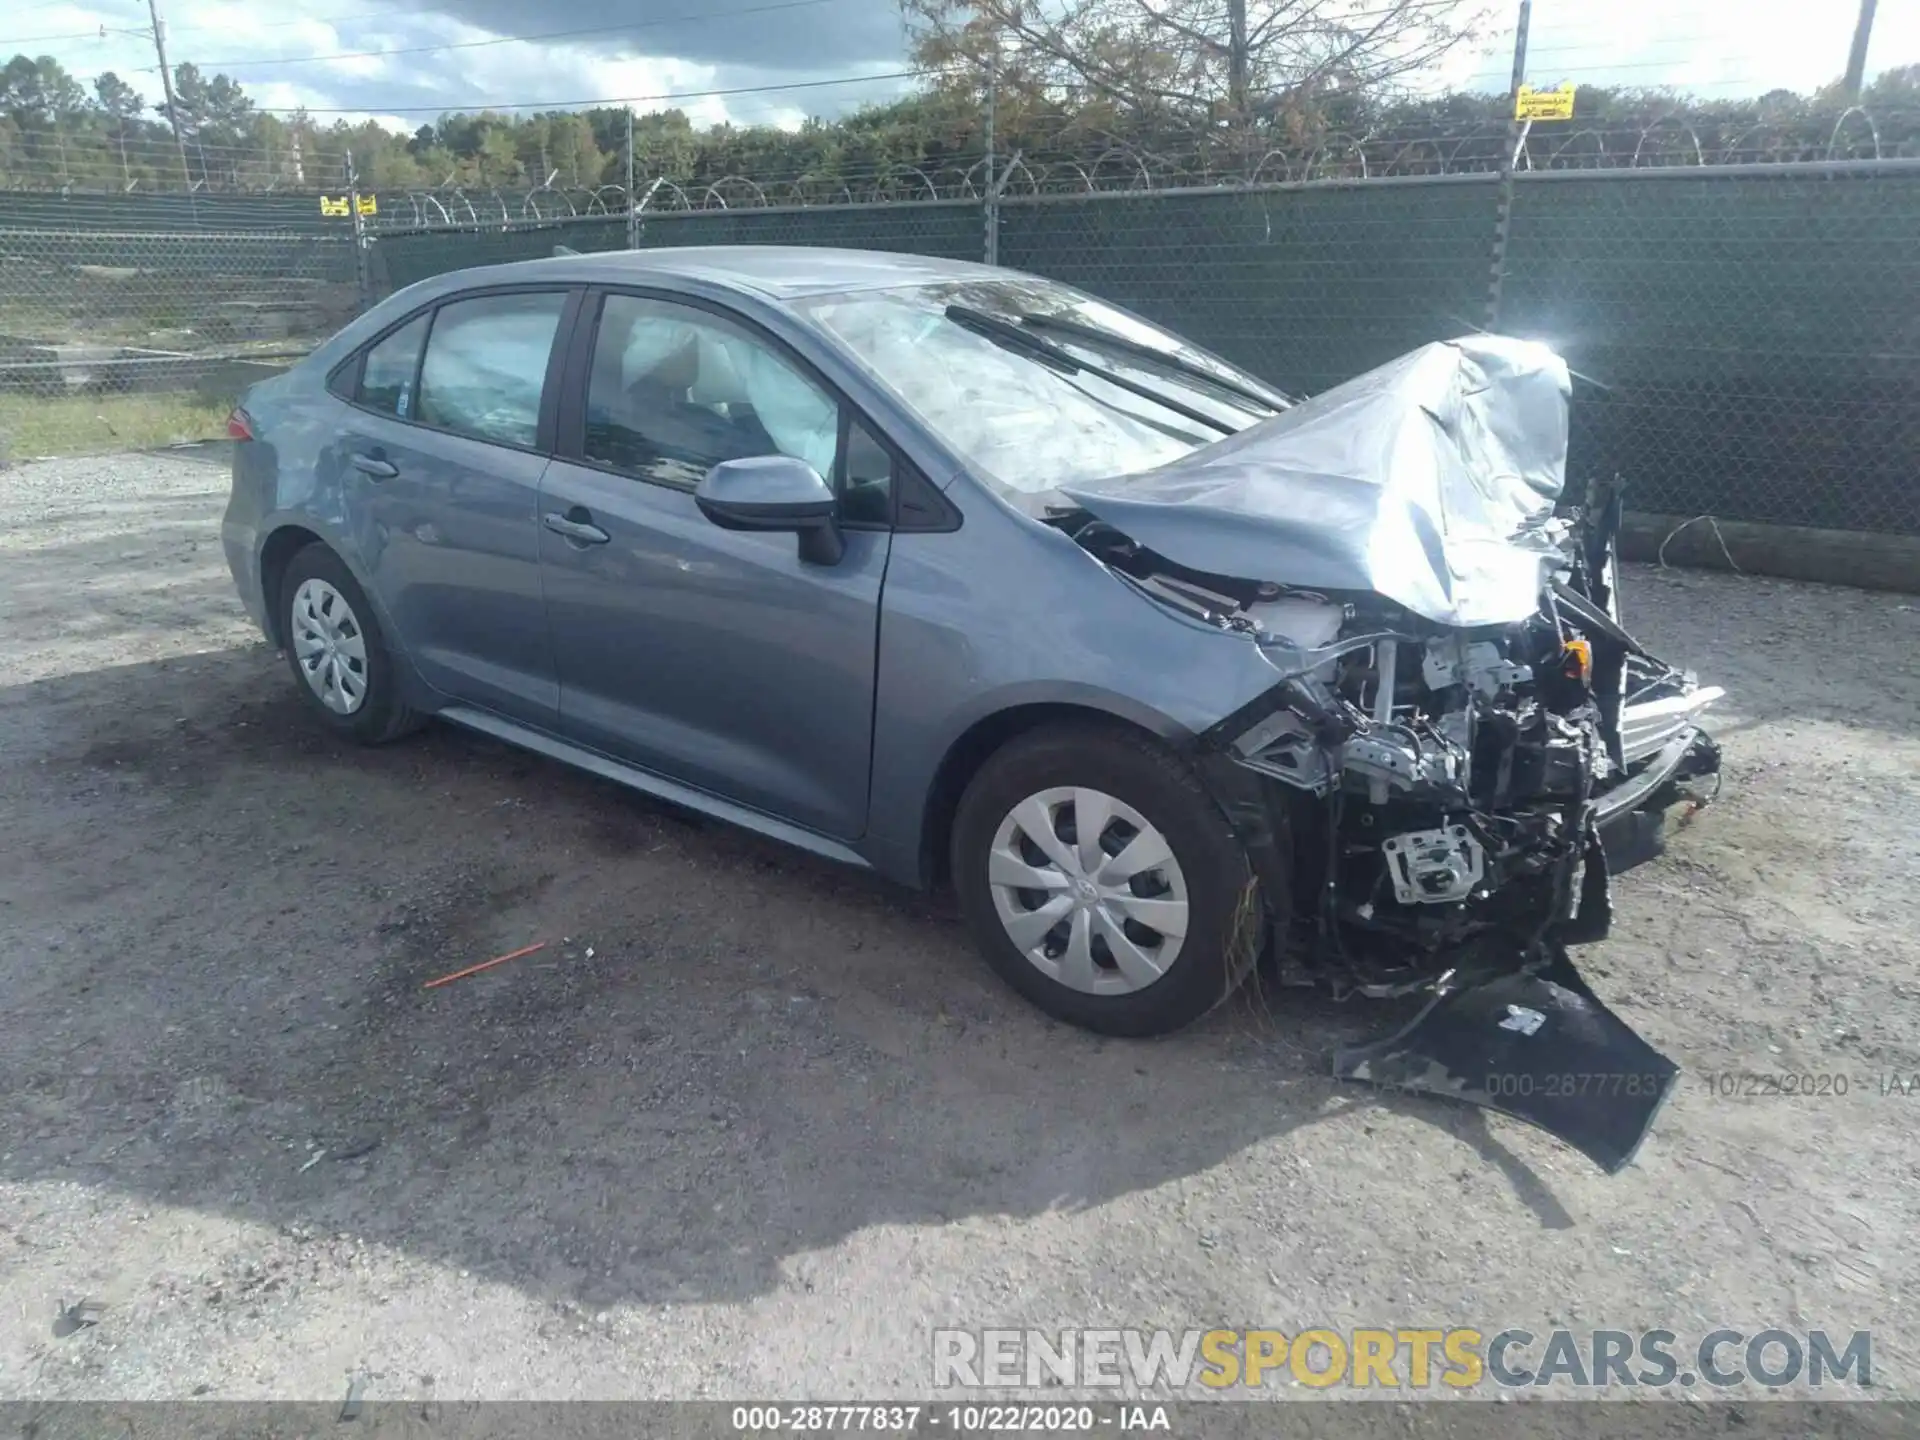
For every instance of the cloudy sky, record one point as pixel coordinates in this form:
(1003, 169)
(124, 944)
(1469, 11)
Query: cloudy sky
(406, 60)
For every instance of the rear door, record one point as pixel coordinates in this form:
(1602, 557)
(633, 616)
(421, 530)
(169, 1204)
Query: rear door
(440, 456)
(717, 658)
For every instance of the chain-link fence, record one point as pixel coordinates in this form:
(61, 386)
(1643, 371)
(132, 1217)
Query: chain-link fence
(1742, 347)
(1744, 334)
(112, 340)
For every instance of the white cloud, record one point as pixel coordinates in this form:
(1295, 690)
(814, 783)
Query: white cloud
(1716, 48)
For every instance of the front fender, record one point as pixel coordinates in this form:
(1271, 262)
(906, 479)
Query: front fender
(1006, 615)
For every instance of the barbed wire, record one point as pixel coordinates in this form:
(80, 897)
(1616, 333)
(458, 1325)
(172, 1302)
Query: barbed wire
(1048, 155)
(1850, 134)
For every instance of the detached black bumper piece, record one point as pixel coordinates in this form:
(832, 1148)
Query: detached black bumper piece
(1539, 1046)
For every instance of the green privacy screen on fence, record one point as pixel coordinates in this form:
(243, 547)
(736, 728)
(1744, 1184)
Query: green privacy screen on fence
(1758, 335)
(1303, 287)
(1749, 345)
(1748, 337)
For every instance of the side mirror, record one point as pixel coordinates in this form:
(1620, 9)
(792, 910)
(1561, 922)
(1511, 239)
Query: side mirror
(774, 492)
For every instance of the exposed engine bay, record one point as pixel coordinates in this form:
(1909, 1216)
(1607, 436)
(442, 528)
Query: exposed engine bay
(1461, 746)
(1453, 800)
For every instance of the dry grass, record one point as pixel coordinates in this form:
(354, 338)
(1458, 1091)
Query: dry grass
(37, 427)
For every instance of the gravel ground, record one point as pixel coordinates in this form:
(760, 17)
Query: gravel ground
(751, 1126)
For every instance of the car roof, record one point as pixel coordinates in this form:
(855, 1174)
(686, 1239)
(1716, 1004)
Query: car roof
(781, 272)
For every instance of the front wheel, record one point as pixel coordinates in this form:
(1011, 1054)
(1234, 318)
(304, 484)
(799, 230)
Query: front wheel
(1102, 882)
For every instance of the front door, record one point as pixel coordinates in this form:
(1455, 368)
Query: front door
(717, 658)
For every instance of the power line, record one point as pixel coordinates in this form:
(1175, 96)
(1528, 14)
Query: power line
(1565, 71)
(1468, 83)
(610, 101)
(108, 31)
(1559, 32)
(95, 34)
(517, 39)
(327, 20)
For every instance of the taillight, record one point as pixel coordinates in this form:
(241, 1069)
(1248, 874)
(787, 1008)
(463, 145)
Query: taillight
(239, 425)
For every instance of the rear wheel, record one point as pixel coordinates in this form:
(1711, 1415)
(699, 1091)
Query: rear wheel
(338, 656)
(1103, 883)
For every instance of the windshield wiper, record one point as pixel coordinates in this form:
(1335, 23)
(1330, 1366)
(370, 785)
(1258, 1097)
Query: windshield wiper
(1120, 345)
(1012, 336)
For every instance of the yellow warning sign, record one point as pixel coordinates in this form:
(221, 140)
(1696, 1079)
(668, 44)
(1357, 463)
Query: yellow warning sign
(335, 205)
(369, 206)
(1532, 104)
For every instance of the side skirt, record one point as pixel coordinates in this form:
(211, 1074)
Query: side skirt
(649, 783)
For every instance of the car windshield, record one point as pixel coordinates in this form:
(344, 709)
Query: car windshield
(1037, 385)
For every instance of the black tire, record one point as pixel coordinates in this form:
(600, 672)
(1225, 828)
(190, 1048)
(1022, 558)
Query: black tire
(381, 716)
(1226, 923)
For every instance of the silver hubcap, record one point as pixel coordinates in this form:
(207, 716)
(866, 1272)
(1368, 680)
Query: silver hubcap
(330, 646)
(1088, 890)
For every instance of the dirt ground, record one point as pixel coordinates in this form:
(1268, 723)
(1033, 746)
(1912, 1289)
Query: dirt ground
(751, 1126)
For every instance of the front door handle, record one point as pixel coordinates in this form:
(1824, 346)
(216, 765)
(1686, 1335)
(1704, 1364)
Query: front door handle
(376, 466)
(576, 525)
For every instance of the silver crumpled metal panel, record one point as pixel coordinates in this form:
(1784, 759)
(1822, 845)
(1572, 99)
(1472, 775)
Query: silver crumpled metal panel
(1430, 481)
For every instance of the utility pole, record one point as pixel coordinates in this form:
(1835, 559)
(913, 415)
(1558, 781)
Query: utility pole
(166, 88)
(990, 211)
(362, 261)
(1857, 57)
(1516, 137)
(633, 200)
(1237, 61)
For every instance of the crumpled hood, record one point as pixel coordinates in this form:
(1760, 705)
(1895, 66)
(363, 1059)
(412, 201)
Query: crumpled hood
(1429, 481)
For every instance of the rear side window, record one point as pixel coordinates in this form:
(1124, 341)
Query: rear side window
(386, 380)
(487, 364)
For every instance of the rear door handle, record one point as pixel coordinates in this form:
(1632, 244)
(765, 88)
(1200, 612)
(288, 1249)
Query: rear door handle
(375, 466)
(576, 526)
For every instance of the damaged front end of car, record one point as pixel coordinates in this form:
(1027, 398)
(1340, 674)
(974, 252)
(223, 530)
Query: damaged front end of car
(1461, 745)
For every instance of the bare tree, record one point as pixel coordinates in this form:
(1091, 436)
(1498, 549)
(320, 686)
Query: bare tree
(1231, 60)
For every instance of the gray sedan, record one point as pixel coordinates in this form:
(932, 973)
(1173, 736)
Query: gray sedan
(966, 577)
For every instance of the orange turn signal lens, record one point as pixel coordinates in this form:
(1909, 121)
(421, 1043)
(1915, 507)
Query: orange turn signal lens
(1579, 661)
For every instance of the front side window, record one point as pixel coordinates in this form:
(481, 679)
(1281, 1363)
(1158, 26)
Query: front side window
(487, 364)
(675, 390)
(386, 379)
(1037, 385)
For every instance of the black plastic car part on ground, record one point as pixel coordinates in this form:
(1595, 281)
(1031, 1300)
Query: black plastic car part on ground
(1538, 1045)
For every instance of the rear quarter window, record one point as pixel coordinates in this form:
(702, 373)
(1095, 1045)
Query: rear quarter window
(387, 376)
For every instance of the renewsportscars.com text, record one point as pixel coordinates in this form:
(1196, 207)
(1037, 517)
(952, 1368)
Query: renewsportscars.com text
(1398, 1359)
